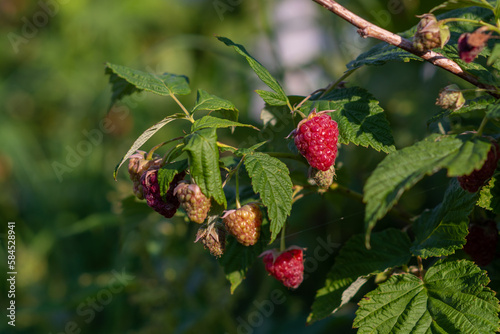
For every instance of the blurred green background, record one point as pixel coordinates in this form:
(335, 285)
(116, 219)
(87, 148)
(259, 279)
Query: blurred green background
(92, 260)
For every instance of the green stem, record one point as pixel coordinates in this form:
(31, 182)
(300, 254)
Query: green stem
(482, 23)
(238, 205)
(334, 85)
(481, 127)
(149, 156)
(188, 116)
(282, 240)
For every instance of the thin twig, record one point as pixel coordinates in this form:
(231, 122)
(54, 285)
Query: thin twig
(367, 29)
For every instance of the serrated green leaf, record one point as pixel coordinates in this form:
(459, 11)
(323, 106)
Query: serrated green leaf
(381, 54)
(489, 196)
(441, 231)
(144, 137)
(401, 170)
(390, 248)
(271, 179)
(451, 298)
(260, 70)
(495, 55)
(360, 118)
(237, 259)
(479, 103)
(167, 173)
(126, 81)
(216, 123)
(207, 101)
(454, 4)
(271, 98)
(203, 154)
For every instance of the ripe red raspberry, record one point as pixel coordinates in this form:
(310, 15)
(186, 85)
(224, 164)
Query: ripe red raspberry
(213, 238)
(316, 139)
(244, 223)
(482, 242)
(137, 165)
(477, 178)
(193, 201)
(165, 206)
(287, 266)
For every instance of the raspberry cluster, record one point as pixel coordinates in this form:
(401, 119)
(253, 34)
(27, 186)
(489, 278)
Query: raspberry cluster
(165, 206)
(287, 266)
(316, 139)
(193, 201)
(475, 180)
(244, 223)
(482, 242)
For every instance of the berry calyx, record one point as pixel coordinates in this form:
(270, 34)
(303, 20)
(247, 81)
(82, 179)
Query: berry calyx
(316, 139)
(482, 242)
(213, 238)
(165, 206)
(193, 201)
(323, 179)
(287, 266)
(244, 223)
(475, 180)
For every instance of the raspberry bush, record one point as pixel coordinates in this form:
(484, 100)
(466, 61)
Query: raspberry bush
(242, 195)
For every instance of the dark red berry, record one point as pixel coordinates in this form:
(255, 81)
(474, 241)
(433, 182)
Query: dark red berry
(471, 44)
(316, 139)
(165, 206)
(287, 266)
(475, 180)
(482, 242)
(137, 165)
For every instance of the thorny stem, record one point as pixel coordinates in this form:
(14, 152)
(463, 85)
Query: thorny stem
(367, 29)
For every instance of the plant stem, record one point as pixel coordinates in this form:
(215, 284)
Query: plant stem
(282, 155)
(334, 85)
(282, 238)
(367, 29)
(482, 23)
(238, 205)
(481, 127)
(149, 156)
(188, 116)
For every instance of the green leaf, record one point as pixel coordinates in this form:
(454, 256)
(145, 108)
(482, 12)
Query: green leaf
(144, 137)
(495, 55)
(237, 259)
(167, 173)
(401, 170)
(441, 231)
(493, 111)
(271, 179)
(454, 4)
(126, 81)
(489, 196)
(203, 154)
(355, 264)
(451, 298)
(271, 98)
(260, 70)
(207, 101)
(216, 123)
(381, 54)
(360, 118)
